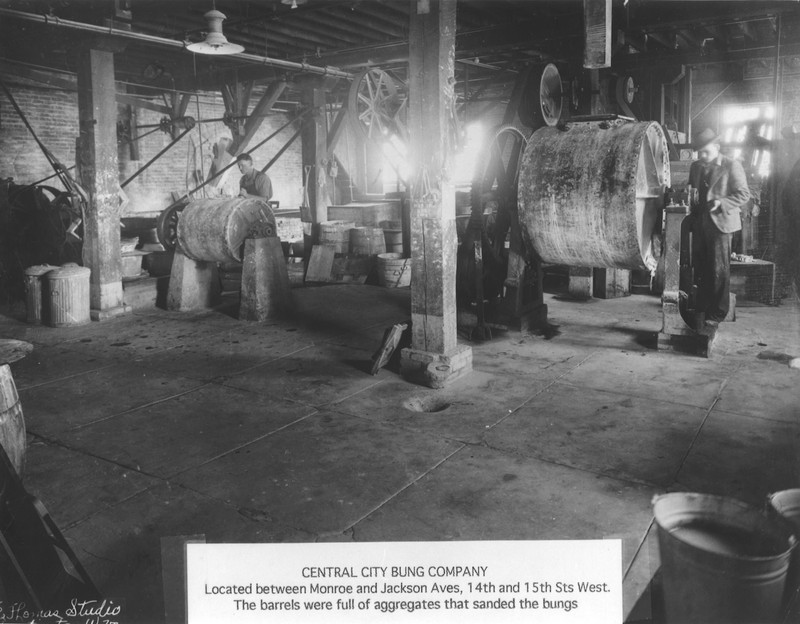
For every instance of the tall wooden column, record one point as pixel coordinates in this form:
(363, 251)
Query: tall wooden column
(315, 150)
(435, 357)
(99, 175)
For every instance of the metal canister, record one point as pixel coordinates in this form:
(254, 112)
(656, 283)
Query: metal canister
(67, 290)
(34, 275)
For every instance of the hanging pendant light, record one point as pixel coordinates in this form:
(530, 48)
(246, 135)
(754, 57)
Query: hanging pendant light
(215, 42)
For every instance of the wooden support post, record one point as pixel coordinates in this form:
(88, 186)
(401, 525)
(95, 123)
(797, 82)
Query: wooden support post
(597, 33)
(435, 357)
(99, 175)
(315, 150)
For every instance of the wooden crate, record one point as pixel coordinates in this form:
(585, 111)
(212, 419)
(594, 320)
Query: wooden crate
(366, 213)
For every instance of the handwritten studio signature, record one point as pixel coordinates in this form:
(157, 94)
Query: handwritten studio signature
(77, 612)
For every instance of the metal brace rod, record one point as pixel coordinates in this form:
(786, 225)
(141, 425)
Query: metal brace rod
(233, 162)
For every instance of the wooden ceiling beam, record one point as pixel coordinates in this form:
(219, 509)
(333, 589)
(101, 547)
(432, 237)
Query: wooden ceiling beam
(649, 60)
(689, 38)
(335, 23)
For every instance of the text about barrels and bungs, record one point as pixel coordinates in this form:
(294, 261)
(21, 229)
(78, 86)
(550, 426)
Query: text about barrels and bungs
(509, 581)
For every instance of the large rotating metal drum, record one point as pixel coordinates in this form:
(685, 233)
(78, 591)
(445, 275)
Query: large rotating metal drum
(213, 230)
(591, 193)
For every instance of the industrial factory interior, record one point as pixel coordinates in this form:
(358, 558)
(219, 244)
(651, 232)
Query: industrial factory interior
(444, 274)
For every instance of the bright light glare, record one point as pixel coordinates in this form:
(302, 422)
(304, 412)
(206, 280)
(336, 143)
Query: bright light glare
(395, 153)
(763, 170)
(465, 161)
(738, 114)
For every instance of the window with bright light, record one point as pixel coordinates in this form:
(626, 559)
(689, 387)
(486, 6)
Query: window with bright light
(467, 159)
(746, 132)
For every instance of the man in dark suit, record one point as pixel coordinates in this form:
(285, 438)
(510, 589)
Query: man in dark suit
(721, 192)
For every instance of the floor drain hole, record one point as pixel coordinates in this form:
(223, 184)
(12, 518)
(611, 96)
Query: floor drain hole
(428, 405)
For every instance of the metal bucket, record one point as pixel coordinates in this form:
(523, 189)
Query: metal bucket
(394, 271)
(721, 560)
(67, 294)
(591, 193)
(35, 312)
(786, 503)
(12, 423)
(213, 230)
(367, 241)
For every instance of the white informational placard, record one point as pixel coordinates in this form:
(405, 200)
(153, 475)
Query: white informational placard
(564, 582)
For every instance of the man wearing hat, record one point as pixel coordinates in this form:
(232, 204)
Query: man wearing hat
(721, 192)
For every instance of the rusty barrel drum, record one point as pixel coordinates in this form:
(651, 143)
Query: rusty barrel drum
(214, 230)
(591, 193)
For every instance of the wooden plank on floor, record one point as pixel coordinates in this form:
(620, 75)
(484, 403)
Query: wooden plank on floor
(320, 264)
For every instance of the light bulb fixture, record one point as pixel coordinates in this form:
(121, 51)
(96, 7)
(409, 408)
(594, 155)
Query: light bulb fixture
(215, 42)
(293, 4)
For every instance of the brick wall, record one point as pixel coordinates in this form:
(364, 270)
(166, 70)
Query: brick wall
(53, 113)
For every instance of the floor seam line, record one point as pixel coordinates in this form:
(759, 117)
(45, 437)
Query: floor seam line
(716, 400)
(139, 407)
(544, 389)
(80, 451)
(349, 396)
(552, 462)
(642, 542)
(265, 362)
(636, 396)
(352, 525)
(80, 521)
(51, 381)
(241, 446)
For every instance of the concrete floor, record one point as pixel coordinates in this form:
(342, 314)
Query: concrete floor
(161, 424)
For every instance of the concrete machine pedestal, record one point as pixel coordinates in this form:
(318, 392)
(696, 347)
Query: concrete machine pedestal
(683, 329)
(238, 229)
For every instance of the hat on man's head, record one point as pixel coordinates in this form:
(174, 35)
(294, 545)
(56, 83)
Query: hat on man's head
(706, 137)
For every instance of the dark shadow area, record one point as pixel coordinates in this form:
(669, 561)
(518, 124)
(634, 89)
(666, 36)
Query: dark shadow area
(649, 609)
(548, 332)
(644, 338)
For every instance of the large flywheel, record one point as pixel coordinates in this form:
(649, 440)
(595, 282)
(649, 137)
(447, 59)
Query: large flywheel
(377, 103)
(492, 246)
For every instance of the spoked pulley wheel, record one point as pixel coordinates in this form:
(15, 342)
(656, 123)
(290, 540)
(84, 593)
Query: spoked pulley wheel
(377, 103)
(542, 97)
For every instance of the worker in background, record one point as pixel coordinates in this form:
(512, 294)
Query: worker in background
(722, 190)
(253, 183)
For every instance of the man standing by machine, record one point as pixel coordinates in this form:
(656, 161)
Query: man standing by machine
(253, 183)
(722, 190)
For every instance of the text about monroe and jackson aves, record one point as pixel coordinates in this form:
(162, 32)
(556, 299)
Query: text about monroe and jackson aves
(541, 582)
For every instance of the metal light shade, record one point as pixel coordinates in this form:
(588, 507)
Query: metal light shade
(215, 42)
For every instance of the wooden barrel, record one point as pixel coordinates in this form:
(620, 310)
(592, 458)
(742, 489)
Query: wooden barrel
(12, 424)
(367, 241)
(336, 234)
(394, 271)
(213, 230)
(394, 241)
(34, 276)
(67, 295)
(591, 193)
